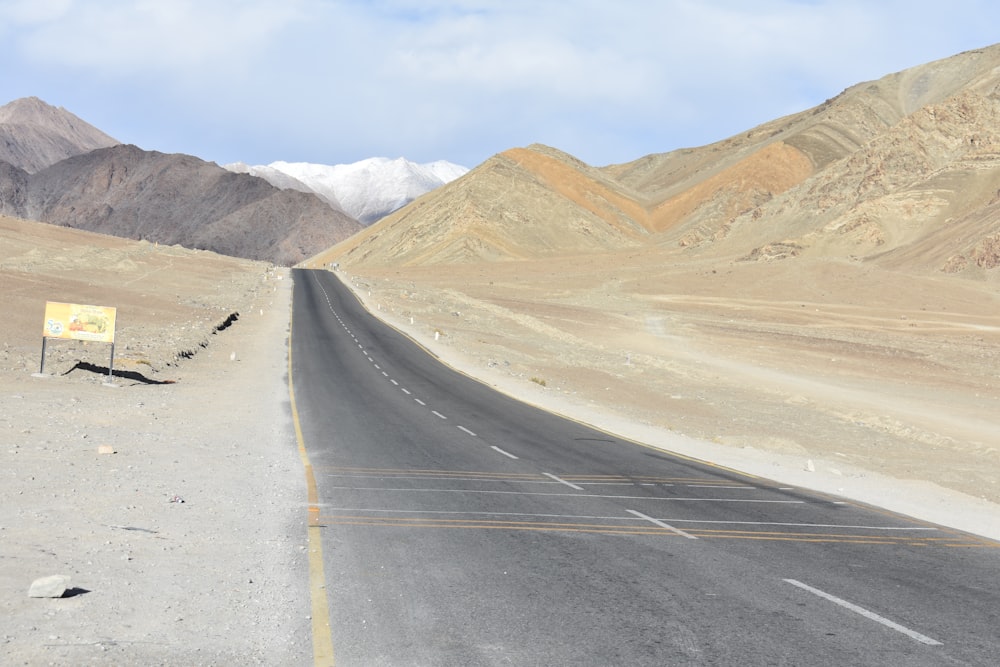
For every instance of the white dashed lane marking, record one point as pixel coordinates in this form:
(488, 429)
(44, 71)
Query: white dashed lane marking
(562, 481)
(507, 454)
(912, 634)
(409, 393)
(661, 524)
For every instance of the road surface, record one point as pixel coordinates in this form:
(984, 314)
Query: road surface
(461, 527)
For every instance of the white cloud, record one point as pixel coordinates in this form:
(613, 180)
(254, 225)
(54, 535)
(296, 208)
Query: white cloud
(32, 11)
(341, 80)
(124, 37)
(517, 49)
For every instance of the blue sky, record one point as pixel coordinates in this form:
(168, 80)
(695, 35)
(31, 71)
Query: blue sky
(336, 81)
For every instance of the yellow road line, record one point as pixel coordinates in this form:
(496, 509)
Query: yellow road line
(396, 472)
(615, 529)
(321, 633)
(509, 476)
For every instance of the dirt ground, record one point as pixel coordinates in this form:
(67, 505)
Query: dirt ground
(839, 377)
(886, 396)
(187, 545)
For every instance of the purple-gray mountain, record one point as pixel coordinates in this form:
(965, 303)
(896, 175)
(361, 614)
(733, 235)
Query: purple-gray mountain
(55, 168)
(35, 135)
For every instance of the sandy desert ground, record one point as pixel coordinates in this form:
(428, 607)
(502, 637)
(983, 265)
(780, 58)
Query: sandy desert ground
(886, 395)
(218, 579)
(891, 403)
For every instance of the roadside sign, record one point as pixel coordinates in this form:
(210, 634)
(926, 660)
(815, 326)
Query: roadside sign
(79, 322)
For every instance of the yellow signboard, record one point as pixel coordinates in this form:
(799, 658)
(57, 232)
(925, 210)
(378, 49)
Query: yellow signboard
(70, 320)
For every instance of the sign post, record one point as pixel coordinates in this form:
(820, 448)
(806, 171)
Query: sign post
(79, 322)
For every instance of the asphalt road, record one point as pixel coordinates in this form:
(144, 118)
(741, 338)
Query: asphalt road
(461, 527)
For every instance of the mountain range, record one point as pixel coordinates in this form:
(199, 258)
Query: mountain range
(903, 171)
(175, 200)
(56, 168)
(367, 190)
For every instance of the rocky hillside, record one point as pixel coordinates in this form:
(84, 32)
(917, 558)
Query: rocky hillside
(174, 199)
(903, 171)
(520, 204)
(35, 135)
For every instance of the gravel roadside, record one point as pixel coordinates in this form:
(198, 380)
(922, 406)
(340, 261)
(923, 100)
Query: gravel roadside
(187, 545)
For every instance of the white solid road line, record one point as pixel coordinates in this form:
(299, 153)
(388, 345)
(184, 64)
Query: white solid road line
(912, 634)
(562, 481)
(661, 524)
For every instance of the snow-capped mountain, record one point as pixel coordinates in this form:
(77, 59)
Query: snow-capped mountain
(367, 190)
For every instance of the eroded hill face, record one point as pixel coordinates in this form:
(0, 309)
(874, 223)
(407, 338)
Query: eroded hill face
(879, 173)
(504, 210)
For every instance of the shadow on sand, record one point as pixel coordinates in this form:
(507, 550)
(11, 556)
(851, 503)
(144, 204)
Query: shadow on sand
(125, 375)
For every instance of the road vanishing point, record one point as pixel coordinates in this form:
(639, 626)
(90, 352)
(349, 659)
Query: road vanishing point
(453, 525)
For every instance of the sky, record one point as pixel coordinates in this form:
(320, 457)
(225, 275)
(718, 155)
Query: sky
(337, 81)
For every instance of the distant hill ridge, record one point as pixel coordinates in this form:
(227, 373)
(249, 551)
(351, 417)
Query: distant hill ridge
(367, 190)
(174, 199)
(35, 135)
(56, 168)
(902, 171)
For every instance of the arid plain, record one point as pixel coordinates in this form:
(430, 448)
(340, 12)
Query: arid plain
(787, 376)
(820, 290)
(813, 301)
(185, 542)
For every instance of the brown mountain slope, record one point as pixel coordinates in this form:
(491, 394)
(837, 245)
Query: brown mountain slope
(175, 199)
(879, 129)
(874, 170)
(35, 135)
(899, 195)
(824, 134)
(520, 204)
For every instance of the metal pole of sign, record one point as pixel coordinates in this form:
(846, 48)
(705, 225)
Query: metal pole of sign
(111, 365)
(41, 371)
